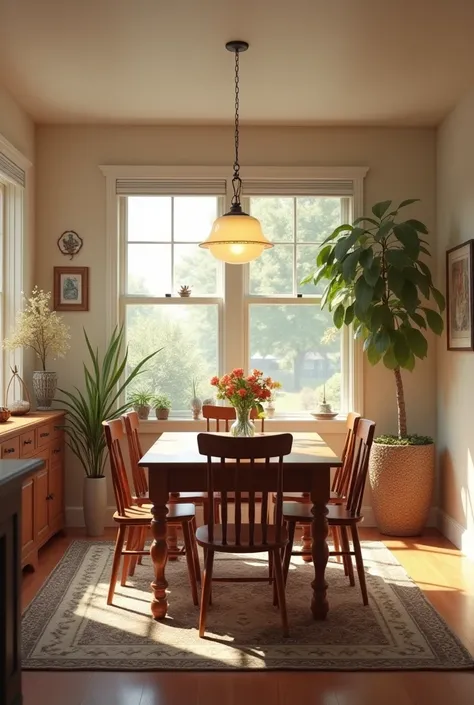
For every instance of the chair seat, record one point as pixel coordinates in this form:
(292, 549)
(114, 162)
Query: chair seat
(304, 497)
(202, 537)
(141, 515)
(337, 513)
(194, 497)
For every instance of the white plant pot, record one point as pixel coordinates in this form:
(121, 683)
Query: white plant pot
(95, 504)
(44, 387)
(401, 480)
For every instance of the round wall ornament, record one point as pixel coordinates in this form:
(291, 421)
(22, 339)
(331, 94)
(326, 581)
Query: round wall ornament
(70, 243)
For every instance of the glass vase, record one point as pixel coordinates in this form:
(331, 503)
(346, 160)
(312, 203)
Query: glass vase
(243, 426)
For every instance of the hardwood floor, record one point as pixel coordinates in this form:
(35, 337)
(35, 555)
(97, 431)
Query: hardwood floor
(445, 576)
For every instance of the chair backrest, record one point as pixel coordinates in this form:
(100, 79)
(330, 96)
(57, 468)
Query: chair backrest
(241, 477)
(342, 476)
(363, 438)
(114, 434)
(211, 412)
(131, 423)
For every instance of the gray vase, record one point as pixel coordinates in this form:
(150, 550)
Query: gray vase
(44, 387)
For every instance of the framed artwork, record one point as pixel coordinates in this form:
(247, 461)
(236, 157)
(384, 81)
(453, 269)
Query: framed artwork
(459, 296)
(71, 288)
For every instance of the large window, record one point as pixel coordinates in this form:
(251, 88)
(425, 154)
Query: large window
(257, 315)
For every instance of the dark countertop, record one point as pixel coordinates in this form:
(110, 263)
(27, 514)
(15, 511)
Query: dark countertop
(18, 469)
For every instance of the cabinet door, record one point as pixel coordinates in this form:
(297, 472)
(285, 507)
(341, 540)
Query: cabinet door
(56, 489)
(27, 517)
(41, 504)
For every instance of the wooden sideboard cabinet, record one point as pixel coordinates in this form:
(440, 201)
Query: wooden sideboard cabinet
(42, 506)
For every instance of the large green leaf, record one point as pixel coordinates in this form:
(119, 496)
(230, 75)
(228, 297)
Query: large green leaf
(338, 316)
(439, 298)
(336, 232)
(401, 349)
(345, 243)
(420, 227)
(434, 320)
(389, 359)
(363, 293)
(418, 318)
(408, 236)
(395, 280)
(349, 315)
(372, 273)
(366, 257)
(384, 230)
(380, 208)
(408, 202)
(409, 295)
(349, 264)
(323, 255)
(381, 341)
(417, 342)
(425, 269)
(373, 355)
(381, 316)
(398, 258)
(419, 279)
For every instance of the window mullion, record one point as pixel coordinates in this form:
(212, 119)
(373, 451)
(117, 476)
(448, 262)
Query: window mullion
(295, 286)
(172, 245)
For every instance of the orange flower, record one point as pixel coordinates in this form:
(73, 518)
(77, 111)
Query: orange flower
(238, 372)
(242, 393)
(215, 381)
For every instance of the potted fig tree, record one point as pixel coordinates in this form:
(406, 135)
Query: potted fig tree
(379, 284)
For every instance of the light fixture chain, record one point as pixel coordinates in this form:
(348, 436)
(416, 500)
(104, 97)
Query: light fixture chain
(236, 162)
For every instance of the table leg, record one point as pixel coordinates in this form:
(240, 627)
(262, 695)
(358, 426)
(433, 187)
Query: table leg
(320, 553)
(172, 541)
(159, 555)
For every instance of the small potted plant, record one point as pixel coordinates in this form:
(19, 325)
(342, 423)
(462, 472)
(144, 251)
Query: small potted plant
(379, 284)
(140, 401)
(161, 403)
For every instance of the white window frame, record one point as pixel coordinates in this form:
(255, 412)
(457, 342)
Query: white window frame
(13, 180)
(233, 311)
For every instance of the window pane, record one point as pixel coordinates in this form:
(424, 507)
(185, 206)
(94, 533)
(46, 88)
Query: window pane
(149, 270)
(188, 335)
(306, 263)
(149, 218)
(297, 345)
(196, 268)
(272, 273)
(193, 217)
(276, 215)
(317, 217)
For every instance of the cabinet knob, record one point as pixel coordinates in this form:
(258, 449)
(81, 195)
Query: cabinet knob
(27, 443)
(44, 435)
(50, 496)
(9, 450)
(56, 450)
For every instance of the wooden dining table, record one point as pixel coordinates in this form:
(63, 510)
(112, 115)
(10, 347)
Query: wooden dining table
(175, 465)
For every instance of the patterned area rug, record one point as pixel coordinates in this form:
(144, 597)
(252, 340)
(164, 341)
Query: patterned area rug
(69, 625)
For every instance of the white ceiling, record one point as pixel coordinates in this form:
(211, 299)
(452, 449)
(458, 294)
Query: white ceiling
(382, 62)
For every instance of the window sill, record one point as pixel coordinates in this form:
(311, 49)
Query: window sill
(275, 425)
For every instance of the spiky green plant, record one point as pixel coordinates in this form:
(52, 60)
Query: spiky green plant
(87, 410)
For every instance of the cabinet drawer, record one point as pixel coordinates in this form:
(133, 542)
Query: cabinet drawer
(43, 435)
(27, 443)
(57, 446)
(11, 449)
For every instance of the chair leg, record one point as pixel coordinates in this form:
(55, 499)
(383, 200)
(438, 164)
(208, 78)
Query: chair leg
(206, 591)
(185, 526)
(116, 562)
(288, 549)
(359, 564)
(130, 545)
(142, 544)
(337, 544)
(216, 511)
(197, 565)
(270, 567)
(348, 558)
(141, 537)
(280, 586)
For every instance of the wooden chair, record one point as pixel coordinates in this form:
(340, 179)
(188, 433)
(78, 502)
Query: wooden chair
(136, 518)
(339, 487)
(211, 412)
(342, 516)
(253, 537)
(131, 422)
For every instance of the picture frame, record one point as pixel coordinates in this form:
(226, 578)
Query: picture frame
(460, 296)
(71, 288)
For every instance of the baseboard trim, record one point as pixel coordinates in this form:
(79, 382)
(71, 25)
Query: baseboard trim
(461, 537)
(75, 517)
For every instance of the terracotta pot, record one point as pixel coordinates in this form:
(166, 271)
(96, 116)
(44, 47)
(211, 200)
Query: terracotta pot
(142, 410)
(95, 505)
(401, 479)
(162, 414)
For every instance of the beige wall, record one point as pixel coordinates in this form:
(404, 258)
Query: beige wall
(19, 130)
(71, 194)
(455, 202)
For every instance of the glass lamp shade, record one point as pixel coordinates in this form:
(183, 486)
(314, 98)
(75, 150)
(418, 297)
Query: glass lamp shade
(236, 239)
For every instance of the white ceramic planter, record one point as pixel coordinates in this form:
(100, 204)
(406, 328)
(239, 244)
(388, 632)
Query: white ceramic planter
(401, 479)
(44, 387)
(95, 505)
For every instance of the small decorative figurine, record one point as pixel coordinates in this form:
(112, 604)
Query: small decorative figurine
(70, 243)
(185, 291)
(324, 411)
(17, 407)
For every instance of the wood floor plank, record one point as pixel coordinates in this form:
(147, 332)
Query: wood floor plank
(445, 576)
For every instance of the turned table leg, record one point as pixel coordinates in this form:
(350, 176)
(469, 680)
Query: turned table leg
(306, 543)
(159, 555)
(320, 553)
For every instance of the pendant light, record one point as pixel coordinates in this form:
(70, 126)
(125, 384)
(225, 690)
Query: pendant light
(236, 237)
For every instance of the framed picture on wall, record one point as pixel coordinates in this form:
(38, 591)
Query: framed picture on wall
(71, 288)
(459, 296)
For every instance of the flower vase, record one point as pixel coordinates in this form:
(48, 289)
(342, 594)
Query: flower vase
(44, 387)
(242, 426)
